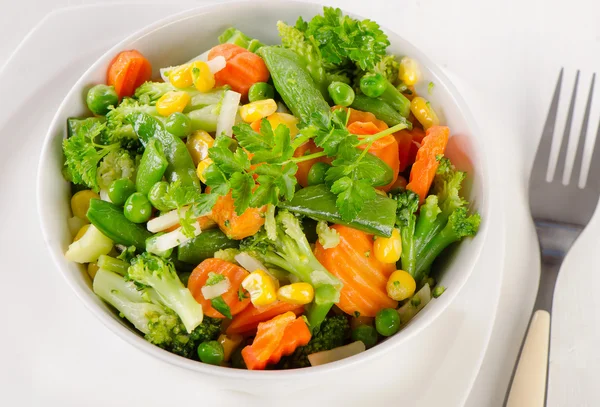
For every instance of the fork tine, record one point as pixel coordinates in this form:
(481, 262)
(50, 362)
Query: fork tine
(564, 145)
(578, 163)
(593, 176)
(541, 168)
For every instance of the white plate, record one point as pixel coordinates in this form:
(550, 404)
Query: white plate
(57, 352)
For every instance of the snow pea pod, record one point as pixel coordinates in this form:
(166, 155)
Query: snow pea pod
(180, 165)
(203, 246)
(382, 110)
(152, 167)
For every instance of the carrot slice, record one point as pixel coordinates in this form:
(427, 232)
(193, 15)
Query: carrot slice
(426, 162)
(127, 71)
(360, 116)
(246, 321)
(304, 167)
(234, 273)
(364, 277)
(407, 149)
(275, 338)
(233, 225)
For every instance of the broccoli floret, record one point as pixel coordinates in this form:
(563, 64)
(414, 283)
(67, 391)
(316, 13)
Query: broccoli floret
(149, 92)
(116, 165)
(408, 204)
(388, 67)
(160, 274)
(333, 332)
(291, 252)
(118, 129)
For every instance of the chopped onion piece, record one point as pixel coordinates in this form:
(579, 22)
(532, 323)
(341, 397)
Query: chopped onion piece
(216, 64)
(414, 305)
(172, 239)
(165, 221)
(249, 263)
(104, 195)
(202, 57)
(229, 108)
(328, 356)
(213, 291)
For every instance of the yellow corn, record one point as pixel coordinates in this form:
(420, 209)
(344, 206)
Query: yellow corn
(80, 203)
(296, 293)
(92, 268)
(257, 110)
(229, 343)
(388, 249)
(408, 71)
(171, 102)
(81, 232)
(261, 287)
(423, 112)
(400, 286)
(198, 144)
(181, 76)
(286, 119)
(202, 77)
(202, 166)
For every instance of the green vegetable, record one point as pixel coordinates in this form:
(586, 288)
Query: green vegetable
(152, 167)
(373, 84)
(328, 237)
(116, 165)
(160, 274)
(437, 291)
(73, 125)
(291, 252)
(112, 264)
(120, 190)
(377, 217)
(179, 125)
(366, 334)
(341, 93)
(205, 118)
(151, 246)
(219, 304)
(235, 36)
(211, 352)
(137, 208)
(111, 221)
(316, 174)
(381, 110)
(204, 246)
(387, 322)
(260, 91)
(237, 361)
(100, 98)
(388, 67)
(333, 333)
(293, 82)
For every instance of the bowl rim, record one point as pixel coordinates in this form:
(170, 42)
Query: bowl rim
(226, 372)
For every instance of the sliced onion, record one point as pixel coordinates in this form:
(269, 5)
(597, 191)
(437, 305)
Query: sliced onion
(172, 239)
(216, 64)
(165, 221)
(202, 57)
(414, 305)
(229, 108)
(104, 195)
(249, 263)
(213, 291)
(328, 356)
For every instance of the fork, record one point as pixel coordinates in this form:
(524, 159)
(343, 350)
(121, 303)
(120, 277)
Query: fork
(561, 209)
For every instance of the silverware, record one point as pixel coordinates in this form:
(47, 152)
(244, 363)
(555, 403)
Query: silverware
(561, 209)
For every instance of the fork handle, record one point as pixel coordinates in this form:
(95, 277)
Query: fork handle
(529, 383)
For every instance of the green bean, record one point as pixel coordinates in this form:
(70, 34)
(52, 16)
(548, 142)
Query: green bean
(260, 91)
(111, 221)
(152, 167)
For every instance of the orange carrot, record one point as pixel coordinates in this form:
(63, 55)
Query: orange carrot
(246, 321)
(304, 167)
(426, 163)
(127, 71)
(276, 338)
(407, 148)
(243, 68)
(364, 277)
(234, 273)
(233, 225)
(360, 116)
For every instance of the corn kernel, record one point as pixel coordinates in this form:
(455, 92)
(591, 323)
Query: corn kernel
(181, 76)
(92, 268)
(408, 71)
(202, 77)
(81, 232)
(296, 293)
(388, 249)
(80, 203)
(261, 287)
(229, 343)
(423, 112)
(171, 102)
(202, 166)
(401, 285)
(198, 144)
(257, 110)
(286, 119)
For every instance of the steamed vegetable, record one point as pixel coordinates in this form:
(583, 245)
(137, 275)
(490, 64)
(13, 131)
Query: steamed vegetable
(127, 71)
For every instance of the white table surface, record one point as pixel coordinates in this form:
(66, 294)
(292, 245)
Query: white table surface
(507, 54)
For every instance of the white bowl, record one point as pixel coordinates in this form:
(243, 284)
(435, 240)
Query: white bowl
(175, 40)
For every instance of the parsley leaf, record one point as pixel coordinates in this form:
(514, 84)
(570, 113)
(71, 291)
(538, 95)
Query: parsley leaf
(219, 304)
(241, 190)
(242, 295)
(351, 195)
(328, 130)
(267, 147)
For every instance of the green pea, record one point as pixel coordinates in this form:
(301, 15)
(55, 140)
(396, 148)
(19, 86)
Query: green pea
(366, 334)
(100, 98)
(157, 194)
(341, 93)
(211, 352)
(260, 91)
(237, 360)
(179, 125)
(120, 189)
(373, 84)
(137, 208)
(316, 174)
(387, 321)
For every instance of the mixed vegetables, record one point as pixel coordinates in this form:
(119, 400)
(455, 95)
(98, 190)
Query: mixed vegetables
(265, 206)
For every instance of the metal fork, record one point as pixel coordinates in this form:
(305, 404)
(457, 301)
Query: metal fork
(561, 207)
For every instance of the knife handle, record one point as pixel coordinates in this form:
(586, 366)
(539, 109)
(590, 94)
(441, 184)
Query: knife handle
(529, 383)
